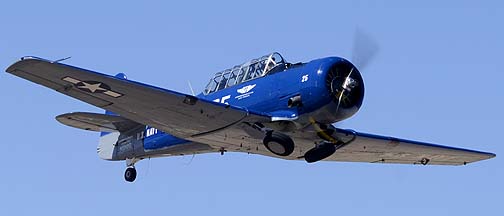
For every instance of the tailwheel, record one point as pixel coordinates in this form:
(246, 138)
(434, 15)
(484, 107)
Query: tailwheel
(279, 144)
(130, 174)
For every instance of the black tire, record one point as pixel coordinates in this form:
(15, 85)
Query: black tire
(130, 174)
(279, 144)
(320, 152)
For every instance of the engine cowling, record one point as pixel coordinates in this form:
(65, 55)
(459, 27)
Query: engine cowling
(344, 89)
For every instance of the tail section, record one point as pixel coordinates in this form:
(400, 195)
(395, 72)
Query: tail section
(107, 143)
(106, 146)
(103, 133)
(121, 143)
(119, 136)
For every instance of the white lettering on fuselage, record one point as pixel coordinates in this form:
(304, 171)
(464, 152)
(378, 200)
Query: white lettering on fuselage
(151, 131)
(223, 99)
(147, 133)
(245, 95)
(244, 92)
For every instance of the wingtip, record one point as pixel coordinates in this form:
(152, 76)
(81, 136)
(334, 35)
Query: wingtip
(28, 57)
(22, 60)
(487, 156)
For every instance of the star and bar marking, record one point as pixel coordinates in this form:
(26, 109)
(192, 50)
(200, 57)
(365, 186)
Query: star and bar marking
(93, 87)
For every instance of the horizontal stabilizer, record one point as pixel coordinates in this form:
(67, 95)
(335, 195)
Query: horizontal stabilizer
(96, 122)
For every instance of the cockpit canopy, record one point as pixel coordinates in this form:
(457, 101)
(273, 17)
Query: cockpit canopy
(242, 73)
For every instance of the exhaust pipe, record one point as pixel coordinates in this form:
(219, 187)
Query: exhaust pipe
(295, 101)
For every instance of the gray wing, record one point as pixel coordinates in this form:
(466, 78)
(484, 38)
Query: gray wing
(354, 147)
(364, 147)
(179, 114)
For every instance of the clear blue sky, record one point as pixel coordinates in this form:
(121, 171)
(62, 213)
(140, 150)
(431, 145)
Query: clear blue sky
(438, 78)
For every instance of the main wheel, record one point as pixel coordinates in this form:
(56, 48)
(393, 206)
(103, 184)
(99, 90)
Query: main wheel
(130, 174)
(279, 144)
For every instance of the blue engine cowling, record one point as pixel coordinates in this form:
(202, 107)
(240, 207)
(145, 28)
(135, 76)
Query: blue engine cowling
(337, 92)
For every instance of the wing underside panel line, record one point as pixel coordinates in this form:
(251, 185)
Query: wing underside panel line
(219, 129)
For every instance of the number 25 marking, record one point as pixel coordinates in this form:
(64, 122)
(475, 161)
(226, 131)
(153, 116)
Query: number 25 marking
(304, 78)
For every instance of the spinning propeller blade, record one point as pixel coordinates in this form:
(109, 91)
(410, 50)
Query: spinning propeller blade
(364, 50)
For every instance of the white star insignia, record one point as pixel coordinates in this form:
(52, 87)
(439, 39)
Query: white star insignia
(92, 87)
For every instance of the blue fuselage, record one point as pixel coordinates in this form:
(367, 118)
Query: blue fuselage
(271, 94)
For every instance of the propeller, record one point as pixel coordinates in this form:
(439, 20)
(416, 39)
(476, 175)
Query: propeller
(345, 81)
(345, 84)
(364, 49)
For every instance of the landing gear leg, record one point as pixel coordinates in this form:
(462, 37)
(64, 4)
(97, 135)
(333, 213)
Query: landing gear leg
(130, 173)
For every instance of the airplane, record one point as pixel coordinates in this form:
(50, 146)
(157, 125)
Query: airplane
(265, 106)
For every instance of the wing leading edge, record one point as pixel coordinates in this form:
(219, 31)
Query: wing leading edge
(382, 149)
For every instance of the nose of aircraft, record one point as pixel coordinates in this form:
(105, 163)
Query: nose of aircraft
(346, 87)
